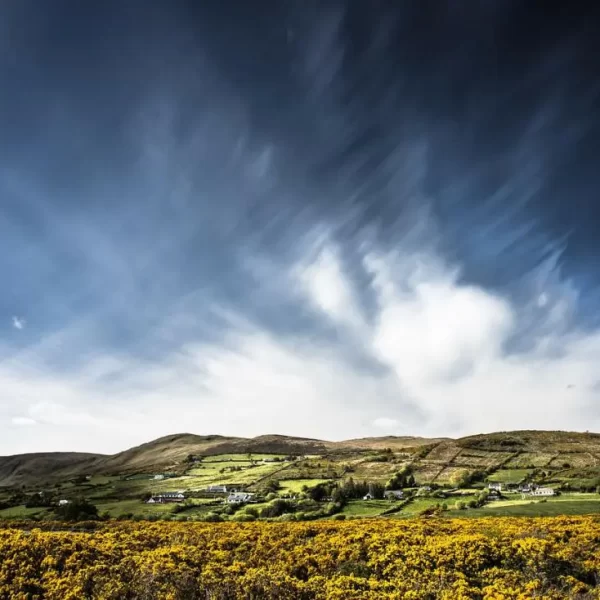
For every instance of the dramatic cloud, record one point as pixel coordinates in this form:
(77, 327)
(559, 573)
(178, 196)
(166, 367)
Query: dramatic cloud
(434, 358)
(307, 220)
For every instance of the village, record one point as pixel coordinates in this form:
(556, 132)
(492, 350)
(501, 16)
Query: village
(236, 497)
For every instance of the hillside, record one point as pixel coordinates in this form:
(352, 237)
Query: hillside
(27, 468)
(287, 466)
(439, 460)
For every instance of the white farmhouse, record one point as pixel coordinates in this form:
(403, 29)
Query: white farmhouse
(495, 486)
(166, 497)
(542, 491)
(239, 497)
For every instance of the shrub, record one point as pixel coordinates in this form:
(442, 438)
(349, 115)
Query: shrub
(213, 517)
(77, 510)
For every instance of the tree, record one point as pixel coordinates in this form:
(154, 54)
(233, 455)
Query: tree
(271, 486)
(39, 500)
(276, 508)
(77, 510)
(318, 492)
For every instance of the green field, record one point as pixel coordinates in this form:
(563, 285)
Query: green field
(509, 475)
(532, 510)
(136, 507)
(295, 486)
(366, 508)
(571, 504)
(21, 512)
(240, 457)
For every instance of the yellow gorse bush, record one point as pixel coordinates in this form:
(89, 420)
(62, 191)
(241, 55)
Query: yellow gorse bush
(494, 559)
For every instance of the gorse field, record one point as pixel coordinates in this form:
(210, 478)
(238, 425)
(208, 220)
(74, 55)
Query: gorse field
(370, 559)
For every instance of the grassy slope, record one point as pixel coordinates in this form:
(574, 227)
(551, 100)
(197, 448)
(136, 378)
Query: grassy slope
(586, 504)
(23, 468)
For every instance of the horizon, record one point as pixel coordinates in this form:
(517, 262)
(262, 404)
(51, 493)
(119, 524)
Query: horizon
(295, 217)
(303, 437)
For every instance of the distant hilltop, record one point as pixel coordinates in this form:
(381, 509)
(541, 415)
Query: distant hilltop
(432, 459)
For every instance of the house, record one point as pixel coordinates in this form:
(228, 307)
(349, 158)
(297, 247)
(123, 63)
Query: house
(239, 497)
(495, 486)
(166, 497)
(394, 494)
(63, 502)
(542, 491)
(217, 489)
(527, 488)
(159, 477)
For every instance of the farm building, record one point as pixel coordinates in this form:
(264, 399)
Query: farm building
(217, 489)
(167, 497)
(495, 486)
(527, 488)
(542, 491)
(394, 495)
(159, 477)
(63, 502)
(239, 497)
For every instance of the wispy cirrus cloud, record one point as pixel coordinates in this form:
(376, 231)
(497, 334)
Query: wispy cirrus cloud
(326, 244)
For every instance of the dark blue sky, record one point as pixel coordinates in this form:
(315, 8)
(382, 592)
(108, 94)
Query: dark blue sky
(229, 217)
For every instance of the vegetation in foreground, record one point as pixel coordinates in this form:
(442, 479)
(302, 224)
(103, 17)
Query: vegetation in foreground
(457, 559)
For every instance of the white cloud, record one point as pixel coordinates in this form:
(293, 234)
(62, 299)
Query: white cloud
(385, 423)
(322, 279)
(18, 322)
(23, 421)
(432, 358)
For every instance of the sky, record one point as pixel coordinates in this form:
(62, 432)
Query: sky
(317, 218)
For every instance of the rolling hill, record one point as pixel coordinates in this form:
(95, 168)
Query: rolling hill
(439, 460)
(30, 468)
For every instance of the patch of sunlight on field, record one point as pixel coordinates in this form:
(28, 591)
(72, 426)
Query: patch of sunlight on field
(295, 485)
